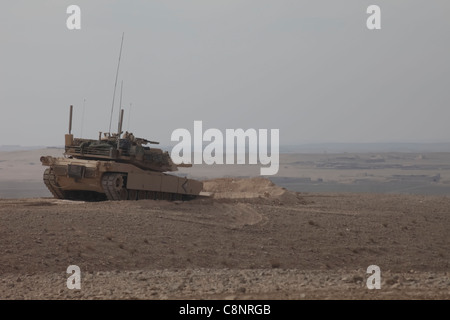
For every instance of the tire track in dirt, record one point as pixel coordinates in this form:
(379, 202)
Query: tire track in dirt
(236, 215)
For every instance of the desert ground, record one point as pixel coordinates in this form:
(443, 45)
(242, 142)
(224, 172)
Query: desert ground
(253, 239)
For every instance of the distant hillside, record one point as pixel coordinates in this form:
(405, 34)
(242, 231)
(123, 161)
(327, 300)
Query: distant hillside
(365, 147)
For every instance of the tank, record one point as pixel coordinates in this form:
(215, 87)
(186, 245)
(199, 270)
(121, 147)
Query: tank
(116, 166)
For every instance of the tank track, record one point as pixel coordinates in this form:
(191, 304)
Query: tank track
(52, 184)
(114, 188)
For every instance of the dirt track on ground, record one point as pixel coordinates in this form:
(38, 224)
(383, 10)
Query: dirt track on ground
(264, 244)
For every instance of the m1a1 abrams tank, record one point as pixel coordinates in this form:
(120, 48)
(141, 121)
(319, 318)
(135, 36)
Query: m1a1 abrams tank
(115, 167)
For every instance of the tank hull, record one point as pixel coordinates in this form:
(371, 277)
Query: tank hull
(81, 179)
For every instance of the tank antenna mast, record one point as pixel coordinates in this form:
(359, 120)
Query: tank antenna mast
(119, 129)
(115, 84)
(70, 119)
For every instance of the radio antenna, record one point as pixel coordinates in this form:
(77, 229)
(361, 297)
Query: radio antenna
(120, 110)
(115, 84)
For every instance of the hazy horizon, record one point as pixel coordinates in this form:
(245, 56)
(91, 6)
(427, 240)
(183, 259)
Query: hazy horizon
(305, 148)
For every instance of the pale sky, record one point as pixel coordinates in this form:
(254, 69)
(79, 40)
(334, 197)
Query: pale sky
(311, 69)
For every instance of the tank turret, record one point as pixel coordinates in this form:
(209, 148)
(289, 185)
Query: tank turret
(116, 166)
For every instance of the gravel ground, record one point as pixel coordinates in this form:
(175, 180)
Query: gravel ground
(275, 246)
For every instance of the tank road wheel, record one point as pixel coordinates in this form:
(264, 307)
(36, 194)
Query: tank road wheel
(142, 195)
(114, 186)
(132, 194)
(123, 194)
(177, 196)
